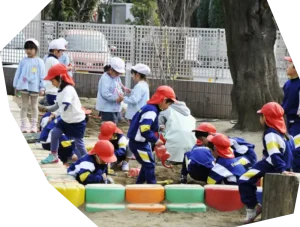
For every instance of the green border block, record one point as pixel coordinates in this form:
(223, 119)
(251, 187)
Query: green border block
(187, 207)
(184, 193)
(104, 193)
(103, 207)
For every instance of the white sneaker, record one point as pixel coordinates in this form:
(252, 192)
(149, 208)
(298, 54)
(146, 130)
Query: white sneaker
(252, 214)
(125, 166)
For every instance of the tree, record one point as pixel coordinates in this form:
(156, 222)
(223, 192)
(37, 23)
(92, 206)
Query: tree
(105, 12)
(216, 14)
(251, 34)
(176, 13)
(57, 10)
(83, 9)
(201, 14)
(144, 12)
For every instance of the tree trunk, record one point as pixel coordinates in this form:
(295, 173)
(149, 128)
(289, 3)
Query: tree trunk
(251, 35)
(279, 195)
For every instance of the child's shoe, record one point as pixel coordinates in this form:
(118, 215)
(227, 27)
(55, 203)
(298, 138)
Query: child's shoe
(125, 166)
(24, 126)
(252, 214)
(183, 179)
(50, 159)
(34, 128)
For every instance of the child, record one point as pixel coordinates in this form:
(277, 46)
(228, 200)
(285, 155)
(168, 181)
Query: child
(110, 131)
(291, 106)
(140, 93)
(110, 94)
(278, 157)
(141, 132)
(29, 81)
(56, 49)
(92, 168)
(240, 147)
(227, 169)
(197, 163)
(66, 146)
(72, 122)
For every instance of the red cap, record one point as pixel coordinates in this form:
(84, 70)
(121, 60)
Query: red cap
(107, 130)
(206, 127)
(161, 93)
(222, 144)
(288, 59)
(104, 150)
(59, 70)
(274, 113)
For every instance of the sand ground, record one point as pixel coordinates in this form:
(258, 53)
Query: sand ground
(133, 218)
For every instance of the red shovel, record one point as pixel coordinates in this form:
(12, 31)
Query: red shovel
(163, 155)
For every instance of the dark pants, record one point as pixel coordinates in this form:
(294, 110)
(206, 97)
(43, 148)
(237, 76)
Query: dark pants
(196, 171)
(143, 154)
(294, 130)
(110, 116)
(50, 99)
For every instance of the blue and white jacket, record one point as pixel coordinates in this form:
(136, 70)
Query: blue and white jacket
(200, 155)
(241, 148)
(120, 143)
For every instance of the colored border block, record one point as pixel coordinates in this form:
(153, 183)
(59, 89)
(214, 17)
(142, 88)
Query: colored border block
(223, 197)
(184, 193)
(151, 208)
(103, 207)
(144, 193)
(186, 207)
(105, 193)
(75, 193)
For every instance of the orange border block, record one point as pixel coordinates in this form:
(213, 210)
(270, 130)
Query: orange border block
(152, 208)
(144, 193)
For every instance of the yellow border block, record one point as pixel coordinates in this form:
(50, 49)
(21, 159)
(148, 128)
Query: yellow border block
(75, 193)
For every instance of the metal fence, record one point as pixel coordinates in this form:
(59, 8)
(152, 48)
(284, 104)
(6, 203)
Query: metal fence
(175, 53)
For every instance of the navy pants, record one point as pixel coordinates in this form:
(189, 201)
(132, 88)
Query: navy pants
(247, 182)
(143, 154)
(50, 99)
(196, 171)
(294, 130)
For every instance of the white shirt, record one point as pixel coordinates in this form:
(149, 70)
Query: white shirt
(74, 113)
(50, 89)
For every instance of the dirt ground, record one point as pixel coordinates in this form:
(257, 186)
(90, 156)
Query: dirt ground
(131, 218)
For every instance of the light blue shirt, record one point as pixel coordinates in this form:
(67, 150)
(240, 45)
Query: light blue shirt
(30, 75)
(109, 89)
(137, 99)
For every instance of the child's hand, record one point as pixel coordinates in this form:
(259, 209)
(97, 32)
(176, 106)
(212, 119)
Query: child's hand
(42, 93)
(127, 90)
(162, 128)
(286, 173)
(159, 142)
(120, 99)
(51, 117)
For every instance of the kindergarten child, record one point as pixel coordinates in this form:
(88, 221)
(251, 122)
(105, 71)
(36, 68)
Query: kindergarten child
(66, 146)
(277, 153)
(56, 48)
(110, 131)
(72, 122)
(141, 132)
(139, 95)
(29, 81)
(197, 163)
(291, 106)
(227, 169)
(203, 131)
(92, 168)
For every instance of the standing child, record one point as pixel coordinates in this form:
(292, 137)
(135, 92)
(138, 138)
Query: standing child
(140, 93)
(29, 81)
(110, 131)
(291, 106)
(141, 132)
(277, 153)
(227, 169)
(92, 168)
(65, 59)
(72, 122)
(56, 48)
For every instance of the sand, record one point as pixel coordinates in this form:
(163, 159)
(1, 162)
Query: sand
(134, 218)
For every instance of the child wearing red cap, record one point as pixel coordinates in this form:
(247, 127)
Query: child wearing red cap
(227, 169)
(141, 132)
(240, 147)
(72, 122)
(92, 168)
(110, 131)
(278, 146)
(291, 106)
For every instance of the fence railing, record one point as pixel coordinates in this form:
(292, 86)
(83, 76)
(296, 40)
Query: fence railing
(173, 53)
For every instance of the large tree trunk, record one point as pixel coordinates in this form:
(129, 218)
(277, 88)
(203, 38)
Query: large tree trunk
(251, 35)
(279, 195)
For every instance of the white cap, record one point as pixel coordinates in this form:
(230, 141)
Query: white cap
(117, 64)
(65, 42)
(142, 69)
(57, 45)
(34, 41)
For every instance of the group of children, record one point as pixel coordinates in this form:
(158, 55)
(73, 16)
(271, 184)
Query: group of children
(215, 159)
